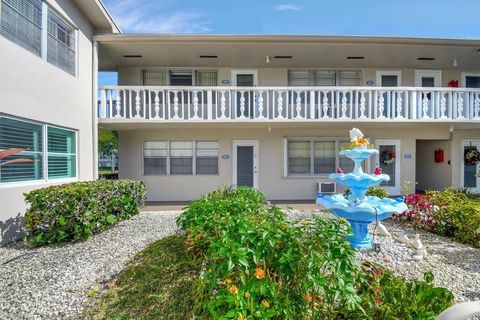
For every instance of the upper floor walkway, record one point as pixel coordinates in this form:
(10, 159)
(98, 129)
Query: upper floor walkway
(271, 104)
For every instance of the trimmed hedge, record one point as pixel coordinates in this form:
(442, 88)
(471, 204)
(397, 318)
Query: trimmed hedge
(75, 211)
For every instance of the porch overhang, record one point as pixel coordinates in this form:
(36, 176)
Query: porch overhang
(154, 50)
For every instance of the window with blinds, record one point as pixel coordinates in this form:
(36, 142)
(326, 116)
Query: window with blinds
(206, 78)
(299, 156)
(155, 158)
(27, 164)
(326, 78)
(62, 155)
(206, 157)
(324, 158)
(155, 78)
(181, 78)
(21, 22)
(316, 157)
(180, 157)
(60, 43)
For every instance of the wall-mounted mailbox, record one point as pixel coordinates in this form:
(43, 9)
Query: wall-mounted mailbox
(439, 155)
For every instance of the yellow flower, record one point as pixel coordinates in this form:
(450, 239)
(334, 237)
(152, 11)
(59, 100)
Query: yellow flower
(347, 244)
(265, 304)
(233, 289)
(306, 222)
(259, 273)
(240, 317)
(228, 280)
(247, 294)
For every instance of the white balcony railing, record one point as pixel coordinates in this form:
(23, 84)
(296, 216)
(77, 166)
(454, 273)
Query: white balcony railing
(175, 104)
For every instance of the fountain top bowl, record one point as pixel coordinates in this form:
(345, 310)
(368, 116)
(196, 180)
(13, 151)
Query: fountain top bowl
(358, 153)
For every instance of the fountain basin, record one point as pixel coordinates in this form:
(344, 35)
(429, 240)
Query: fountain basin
(361, 214)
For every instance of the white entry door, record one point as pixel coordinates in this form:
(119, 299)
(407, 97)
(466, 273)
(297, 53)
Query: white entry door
(428, 78)
(246, 100)
(245, 163)
(470, 173)
(388, 159)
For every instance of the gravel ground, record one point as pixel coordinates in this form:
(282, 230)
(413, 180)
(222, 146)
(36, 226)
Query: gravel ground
(53, 283)
(455, 266)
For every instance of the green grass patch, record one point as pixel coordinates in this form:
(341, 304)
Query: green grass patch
(158, 284)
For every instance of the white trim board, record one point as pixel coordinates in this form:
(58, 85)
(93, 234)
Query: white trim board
(380, 73)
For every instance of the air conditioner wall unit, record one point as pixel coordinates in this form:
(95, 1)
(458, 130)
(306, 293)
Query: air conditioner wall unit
(326, 187)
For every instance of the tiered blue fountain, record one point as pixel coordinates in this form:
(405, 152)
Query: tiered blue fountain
(357, 208)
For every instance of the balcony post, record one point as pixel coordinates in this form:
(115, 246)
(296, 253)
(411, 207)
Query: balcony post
(413, 107)
(209, 104)
(103, 104)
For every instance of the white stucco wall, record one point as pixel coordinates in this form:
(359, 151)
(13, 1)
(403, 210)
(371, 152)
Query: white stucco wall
(271, 155)
(34, 89)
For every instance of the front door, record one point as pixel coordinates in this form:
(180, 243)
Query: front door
(388, 159)
(245, 99)
(470, 171)
(245, 163)
(388, 79)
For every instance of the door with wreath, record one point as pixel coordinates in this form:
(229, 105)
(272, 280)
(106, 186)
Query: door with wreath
(388, 159)
(471, 165)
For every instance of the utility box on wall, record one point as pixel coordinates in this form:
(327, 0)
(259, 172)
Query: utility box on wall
(439, 155)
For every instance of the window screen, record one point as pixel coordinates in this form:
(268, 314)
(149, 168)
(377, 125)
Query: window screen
(21, 22)
(299, 157)
(299, 78)
(206, 78)
(324, 157)
(155, 78)
(350, 78)
(61, 43)
(324, 78)
(25, 165)
(181, 157)
(61, 153)
(155, 158)
(206, 157)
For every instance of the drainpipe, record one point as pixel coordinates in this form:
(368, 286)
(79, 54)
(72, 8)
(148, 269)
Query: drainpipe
(94, 108)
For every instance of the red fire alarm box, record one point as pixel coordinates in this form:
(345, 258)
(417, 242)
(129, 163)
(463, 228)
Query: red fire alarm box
(439, 155)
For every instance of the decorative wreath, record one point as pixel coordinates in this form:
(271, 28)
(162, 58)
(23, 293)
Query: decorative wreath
(387, 157)
(472, 156)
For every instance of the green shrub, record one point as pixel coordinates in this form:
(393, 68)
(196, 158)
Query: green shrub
(257, 264)
(374, 191)
(395, 298)
(75, 211)
(450, 213)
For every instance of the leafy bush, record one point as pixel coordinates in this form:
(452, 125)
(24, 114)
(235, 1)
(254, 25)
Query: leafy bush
(257, 264)
(451, 213)
(75, 211)
(373, 191)
(395, 298)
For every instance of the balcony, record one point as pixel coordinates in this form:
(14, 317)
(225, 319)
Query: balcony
(224, 104)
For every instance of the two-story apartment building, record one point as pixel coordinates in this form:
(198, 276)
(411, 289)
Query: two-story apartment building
(48, 71)
(195, 112)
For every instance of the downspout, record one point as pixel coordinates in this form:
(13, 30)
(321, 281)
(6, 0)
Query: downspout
(95, 108)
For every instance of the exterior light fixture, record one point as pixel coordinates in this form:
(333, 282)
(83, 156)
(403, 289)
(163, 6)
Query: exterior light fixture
(455, 62)
(267, 59)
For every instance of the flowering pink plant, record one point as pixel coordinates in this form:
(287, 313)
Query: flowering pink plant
(419, 213)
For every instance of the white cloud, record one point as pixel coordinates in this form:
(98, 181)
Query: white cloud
(287, 7)
(144, 18)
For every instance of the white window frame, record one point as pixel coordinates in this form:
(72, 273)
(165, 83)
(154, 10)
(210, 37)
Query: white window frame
(337, 141)
(167, 71)
(45, 180)
(380, 73)
(194, 160)
(436, 74)
(464, 75)
(45, 7)
(235, 72)
(336, 71)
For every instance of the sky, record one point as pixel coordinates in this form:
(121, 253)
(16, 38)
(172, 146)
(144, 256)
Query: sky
(419, 18)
